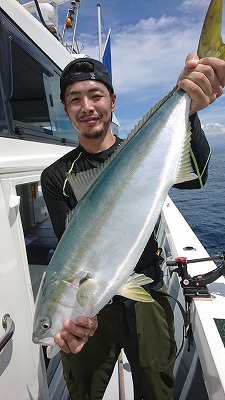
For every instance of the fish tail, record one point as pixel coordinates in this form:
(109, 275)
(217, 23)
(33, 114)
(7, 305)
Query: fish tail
(210, 42)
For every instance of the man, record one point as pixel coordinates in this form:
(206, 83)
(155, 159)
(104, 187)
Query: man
(89, 100)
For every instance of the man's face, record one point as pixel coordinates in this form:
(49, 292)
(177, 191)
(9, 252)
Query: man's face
(89, 106)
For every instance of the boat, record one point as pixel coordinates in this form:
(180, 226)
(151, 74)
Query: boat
(33, 133)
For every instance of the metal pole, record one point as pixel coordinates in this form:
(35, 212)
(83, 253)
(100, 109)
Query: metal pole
(121, 378)
(75, 30)
(99, 32)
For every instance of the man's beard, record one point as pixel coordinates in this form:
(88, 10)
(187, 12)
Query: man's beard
(92, 135)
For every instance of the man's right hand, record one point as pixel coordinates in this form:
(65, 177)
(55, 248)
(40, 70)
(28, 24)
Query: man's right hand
(74, 335)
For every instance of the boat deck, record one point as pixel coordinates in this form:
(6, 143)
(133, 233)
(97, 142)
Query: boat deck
(41, 242)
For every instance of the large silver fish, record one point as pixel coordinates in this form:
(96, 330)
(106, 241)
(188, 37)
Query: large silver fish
(119, 204)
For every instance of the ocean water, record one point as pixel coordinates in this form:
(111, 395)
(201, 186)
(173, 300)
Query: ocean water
(204, 209)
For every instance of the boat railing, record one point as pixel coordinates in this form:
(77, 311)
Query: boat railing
(9, 326)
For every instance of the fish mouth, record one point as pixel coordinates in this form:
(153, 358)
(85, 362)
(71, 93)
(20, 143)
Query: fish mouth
(46, 341)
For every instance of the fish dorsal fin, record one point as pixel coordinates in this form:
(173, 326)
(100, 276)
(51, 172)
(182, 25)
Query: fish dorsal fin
(83, 181)
(133, 290)
(148, 115)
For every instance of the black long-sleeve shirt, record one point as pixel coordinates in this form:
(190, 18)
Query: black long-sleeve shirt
(60, 198)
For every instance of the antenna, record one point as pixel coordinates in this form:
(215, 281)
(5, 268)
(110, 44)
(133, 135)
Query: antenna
(71, 23)
(99, 32)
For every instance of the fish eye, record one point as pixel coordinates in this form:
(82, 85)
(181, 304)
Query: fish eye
(85, 278)
(45, 323)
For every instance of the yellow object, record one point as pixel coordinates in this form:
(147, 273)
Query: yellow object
(210, 42)
(68, 22)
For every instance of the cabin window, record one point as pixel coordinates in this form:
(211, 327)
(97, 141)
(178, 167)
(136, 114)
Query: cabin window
(28, 101)
(29, 85)
(35, 102)
(59, 122)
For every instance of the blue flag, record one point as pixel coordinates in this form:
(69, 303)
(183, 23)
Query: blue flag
(106, 56)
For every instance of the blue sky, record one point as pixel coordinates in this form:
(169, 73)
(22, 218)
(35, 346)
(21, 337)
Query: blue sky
(150, 41)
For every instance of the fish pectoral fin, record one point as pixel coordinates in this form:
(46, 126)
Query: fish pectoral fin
(86, 291)
(52, 351)
(135, 292)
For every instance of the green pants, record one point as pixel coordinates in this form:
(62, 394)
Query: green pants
(88, 372)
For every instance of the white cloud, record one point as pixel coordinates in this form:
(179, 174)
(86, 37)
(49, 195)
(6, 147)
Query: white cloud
(214, 113)
(189, 5)
(214, 129)
(149, 53)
